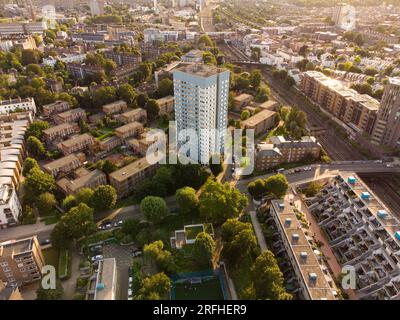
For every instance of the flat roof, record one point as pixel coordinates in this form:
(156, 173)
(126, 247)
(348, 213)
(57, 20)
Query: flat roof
(106, 280)
(115, 103)
(70, 112)
(259, 117)
(12, 247)
(303, 252)
(130, 169)
(129, 126)
(201, 70)
(165, 99)
(57, 128)
(76, 139)
(132, 112)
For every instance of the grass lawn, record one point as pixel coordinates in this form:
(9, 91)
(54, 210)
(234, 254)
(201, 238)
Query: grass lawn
(63, 264)
(208, 290)
(126, 202)
(50, 219)
(51, 257)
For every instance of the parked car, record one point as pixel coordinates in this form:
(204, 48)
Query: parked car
(389, 165)
(97, 257)
(138, 253)
(118, 223)
(45, 242)
(96, 248)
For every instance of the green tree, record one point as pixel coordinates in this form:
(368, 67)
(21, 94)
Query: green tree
(257, 188)
(50, 294)
(29, 164)
(186, 200)
(36, 129)
(165, 88)
(30, 56)
(60, 236)
(130, 227)
(85, 195)
(152, 109)
(245, 115)
(46, 203)
(35, 147)
(104, 95)
(268, 279)
(155, 287)
(163, 258)
(216, 168)
(203, 249)
(262, 94)
(69, 202)
(34, 69)
(78, 221)
(127, 93)
(142, 99)
(219, 202)
(38, 182)
(104, 197)
(255, 78)
(243, 247)
(277, 185)
(109, 67)
(242, 83)
(154, 208)
(107, 166)
(232, 227)
(206, 41)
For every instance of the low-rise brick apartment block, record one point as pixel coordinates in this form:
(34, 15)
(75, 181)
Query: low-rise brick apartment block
(129, 130)
(137, 114)
(72, 115)
(115, 107)
(55, 107)
(21, 261)
(60, 132)
(76, 143)
(64, 165)
(126, 179)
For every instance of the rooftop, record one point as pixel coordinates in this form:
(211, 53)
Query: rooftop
(259, 117)
(201, 70)
(130, 170)
(106, 280)
(14, 247)
(76, 139)
(60, 162)
(311, 271)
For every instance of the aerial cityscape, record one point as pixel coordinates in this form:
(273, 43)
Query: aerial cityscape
(199, 150)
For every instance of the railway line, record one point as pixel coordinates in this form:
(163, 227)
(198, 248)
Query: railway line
(337, 148)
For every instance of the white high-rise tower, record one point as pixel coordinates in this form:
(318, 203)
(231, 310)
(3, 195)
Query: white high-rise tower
(201, 104)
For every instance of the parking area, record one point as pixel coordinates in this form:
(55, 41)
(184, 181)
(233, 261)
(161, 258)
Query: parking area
(123, 257)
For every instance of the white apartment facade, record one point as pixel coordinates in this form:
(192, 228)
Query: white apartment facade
(10, 207)
(9, 106)
(201, 105)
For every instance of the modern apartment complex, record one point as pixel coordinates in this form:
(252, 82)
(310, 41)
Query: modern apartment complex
(362, 233)
(358, 111)
(314, 283)
(21, 261)
(104, 285)
(201, 104)
(387, 126)
(9, 106)
(279, 150)
(126, 179)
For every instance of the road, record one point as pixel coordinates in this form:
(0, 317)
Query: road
(206, 23)
(43, 231)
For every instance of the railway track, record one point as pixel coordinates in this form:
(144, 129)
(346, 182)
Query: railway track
(336, 148)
